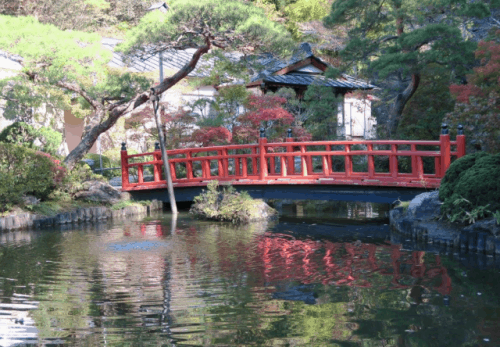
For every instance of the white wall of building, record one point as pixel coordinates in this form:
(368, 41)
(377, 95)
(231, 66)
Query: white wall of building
(357, 115)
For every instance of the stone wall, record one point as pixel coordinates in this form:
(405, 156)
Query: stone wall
(81, 215)
(420, 224)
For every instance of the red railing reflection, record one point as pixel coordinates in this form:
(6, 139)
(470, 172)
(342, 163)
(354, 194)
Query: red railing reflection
(351, 264)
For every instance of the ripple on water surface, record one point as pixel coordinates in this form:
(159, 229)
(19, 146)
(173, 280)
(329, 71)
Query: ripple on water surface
(155, 282)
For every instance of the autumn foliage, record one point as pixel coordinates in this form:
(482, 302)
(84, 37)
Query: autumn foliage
(177, 125)
(260, 112)
(209, 136)
(478, 101)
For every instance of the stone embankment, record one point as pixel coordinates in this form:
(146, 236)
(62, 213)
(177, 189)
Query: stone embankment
(81, 215)
(420, 222)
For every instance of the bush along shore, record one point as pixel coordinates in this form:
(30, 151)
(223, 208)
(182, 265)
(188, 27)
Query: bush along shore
(38, 191)
(464, 214)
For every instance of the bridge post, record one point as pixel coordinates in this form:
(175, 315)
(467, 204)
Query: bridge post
(189, 166)
(289, 149)
(262, 154)
(460, 142)
(157, 167)
(371, 160)
(124, 159)
(445, 149)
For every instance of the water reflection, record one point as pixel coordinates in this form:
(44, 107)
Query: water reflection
(181, 282)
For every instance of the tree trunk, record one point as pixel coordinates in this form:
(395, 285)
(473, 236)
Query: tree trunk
(115, 111)
(400, 103)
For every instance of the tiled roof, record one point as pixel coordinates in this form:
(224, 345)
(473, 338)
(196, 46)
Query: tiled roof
(305, 80)
(271, 65)
(172, 60)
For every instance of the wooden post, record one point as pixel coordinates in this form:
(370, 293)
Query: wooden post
(326, 170)
(237, 161)
(283, 166)
(189, 166)
(225, 163)
(414, 171)
(309, 164)
(172, 171)
(140, 174)
(124, 158)
(262, 154)
(157, 167)
(244, 167)
(420, 168)
(348, 161)
(254, 162)
(460, 142)
(393, 162)
(328, 148)
(437, 166)
(303, 161)
(220, 165)
(205, 169)
(444, 140)
(289, 149)
(371, 161)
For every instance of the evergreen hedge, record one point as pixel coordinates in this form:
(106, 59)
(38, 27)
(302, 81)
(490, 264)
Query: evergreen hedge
(25, 171)
(471, 187)
(25, 135)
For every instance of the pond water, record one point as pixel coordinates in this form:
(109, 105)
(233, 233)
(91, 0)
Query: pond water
(326, 274)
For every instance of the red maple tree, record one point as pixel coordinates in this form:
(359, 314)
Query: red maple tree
(478, 101)
(212, 136)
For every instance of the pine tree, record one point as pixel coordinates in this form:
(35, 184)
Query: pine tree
(77, 63)
(402, 37)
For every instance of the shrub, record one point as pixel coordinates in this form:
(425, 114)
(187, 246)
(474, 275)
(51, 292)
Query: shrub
(451, 178)
(106, 163)
(25, 135)
(227, 205)
(50, 139)
(81, 172)
(24, 171)
(19, 133)
(472, 189)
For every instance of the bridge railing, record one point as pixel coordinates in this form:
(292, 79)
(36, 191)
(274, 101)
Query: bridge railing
(294, 162)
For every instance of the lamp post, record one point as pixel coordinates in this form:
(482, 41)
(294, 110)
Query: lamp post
(164, 156)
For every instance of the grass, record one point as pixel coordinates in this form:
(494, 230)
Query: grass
(126, 203)
(403, 204)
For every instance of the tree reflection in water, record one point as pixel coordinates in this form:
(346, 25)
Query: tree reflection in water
(208, 284)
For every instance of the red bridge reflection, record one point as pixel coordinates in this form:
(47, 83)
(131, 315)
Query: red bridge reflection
(273, 258)
(351, 264)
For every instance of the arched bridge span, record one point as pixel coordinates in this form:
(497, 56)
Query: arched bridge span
(369, 170)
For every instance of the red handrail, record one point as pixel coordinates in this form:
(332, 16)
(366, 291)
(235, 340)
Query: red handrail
(256, 163)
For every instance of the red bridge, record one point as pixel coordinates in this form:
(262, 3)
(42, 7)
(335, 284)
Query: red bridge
(377, 163)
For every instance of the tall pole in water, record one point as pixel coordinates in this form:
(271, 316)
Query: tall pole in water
(164, 156)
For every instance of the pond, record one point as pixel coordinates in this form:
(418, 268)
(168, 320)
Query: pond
(325, 274)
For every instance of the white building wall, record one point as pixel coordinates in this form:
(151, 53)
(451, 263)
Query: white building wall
(358, 119)
(8, 68)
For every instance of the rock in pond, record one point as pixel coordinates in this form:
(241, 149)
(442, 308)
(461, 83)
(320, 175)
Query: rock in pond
(99, 192)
